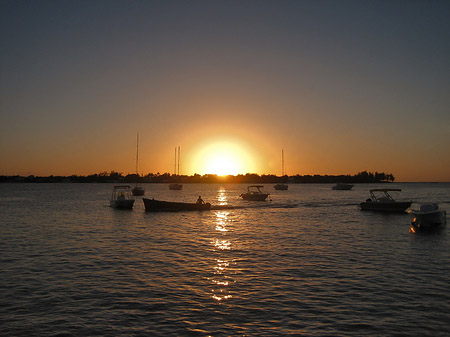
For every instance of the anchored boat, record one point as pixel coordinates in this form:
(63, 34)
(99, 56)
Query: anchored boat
(254, 193)
(121, 198)
(342, 187)
(427, 216)
(381, 201)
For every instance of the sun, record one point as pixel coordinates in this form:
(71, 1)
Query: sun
(223, 158)
(222, 164)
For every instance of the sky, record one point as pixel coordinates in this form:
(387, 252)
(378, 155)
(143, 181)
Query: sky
(340, 86)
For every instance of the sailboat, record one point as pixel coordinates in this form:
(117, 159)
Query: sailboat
(176, 186)
(281, 187)
(137, 190)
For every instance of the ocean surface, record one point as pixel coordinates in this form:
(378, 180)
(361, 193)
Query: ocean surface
(307, 263)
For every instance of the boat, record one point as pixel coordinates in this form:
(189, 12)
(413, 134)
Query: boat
(380, 200)
(152, 205)
(342, 187)
(427, 216)
(121, 198)
(176, 186)
(282, 187)
(137, 190)
(254, 193)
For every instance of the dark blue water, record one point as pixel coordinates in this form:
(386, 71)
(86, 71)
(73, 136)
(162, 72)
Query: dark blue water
(307, 263)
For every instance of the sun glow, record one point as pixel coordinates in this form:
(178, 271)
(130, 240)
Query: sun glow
(223, 158)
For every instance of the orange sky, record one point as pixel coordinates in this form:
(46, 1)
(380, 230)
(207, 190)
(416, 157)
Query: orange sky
(341, 88)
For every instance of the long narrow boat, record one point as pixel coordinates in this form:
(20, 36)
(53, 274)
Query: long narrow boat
(152, 205)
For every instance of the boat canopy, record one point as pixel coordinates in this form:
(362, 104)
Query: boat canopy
(386, 190)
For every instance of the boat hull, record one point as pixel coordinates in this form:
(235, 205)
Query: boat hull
(255, 197)
(176, 187)
(342, 187)
(429, 220)
(122, 204)
(391, 207)
(152, 205)
(137, 191)
(281, 187)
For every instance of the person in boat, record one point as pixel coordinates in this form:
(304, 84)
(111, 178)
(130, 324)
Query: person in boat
(121, 196)
(200, 200)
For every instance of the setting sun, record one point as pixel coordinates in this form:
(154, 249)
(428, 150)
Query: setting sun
(222, 164)
(223, 158)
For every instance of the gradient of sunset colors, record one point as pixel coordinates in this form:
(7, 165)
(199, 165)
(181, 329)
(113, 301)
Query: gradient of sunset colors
(341, 86)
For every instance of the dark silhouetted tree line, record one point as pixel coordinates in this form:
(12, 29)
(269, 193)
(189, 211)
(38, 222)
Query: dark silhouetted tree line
(249, 178)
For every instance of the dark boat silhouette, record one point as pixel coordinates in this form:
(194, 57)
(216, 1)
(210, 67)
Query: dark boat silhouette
(254, 193)
(121, 198)
(152, 205)
(381, 201)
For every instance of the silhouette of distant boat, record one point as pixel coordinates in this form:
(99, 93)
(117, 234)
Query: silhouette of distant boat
(152, 205)
(282, 187)
(342, 187)
(254, 193)
(380, 200)
(121, 198)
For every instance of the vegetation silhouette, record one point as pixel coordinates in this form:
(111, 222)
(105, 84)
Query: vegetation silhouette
(249, 178)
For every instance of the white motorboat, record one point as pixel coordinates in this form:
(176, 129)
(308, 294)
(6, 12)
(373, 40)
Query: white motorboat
(254, 193)
(121, 198)
(427, 216)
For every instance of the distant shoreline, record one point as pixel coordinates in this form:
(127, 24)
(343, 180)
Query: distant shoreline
(249, 178)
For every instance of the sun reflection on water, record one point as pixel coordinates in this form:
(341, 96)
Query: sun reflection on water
(222, 197)
(221, 279)
(221, 221)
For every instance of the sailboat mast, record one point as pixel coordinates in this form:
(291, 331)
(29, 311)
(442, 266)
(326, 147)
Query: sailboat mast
(282, 162)
(178, 160)
(137, 154)
(175, 162)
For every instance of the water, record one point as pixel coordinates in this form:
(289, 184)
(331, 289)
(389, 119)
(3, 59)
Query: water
(308, 263)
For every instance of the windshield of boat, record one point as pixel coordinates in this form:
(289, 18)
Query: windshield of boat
(254, 189)
(381, 196)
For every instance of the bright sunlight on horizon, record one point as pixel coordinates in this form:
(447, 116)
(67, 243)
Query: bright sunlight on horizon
(223, 158)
